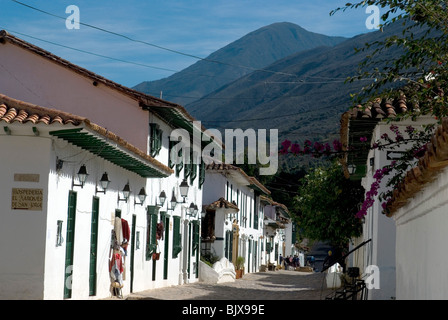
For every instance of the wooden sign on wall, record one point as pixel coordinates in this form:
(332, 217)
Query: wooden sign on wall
(27, 199)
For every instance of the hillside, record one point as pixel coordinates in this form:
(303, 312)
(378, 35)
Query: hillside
(255, 50)
(304, 100)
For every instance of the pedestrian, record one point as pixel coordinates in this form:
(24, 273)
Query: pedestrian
(281, 260)
(328, 260)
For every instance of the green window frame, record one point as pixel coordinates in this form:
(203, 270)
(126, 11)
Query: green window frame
(180, 165)
(195, 236)
(201, 174)
(155, 139)
(151, 231)
(187, 168)
(193, 167)
(177, 243)
(171, 163)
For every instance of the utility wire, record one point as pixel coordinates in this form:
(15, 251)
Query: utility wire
(90, 53)
(158, 46)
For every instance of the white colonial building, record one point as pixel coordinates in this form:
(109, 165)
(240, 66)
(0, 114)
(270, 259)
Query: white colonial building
(64, 132)
(232, 225)
(367, 125)
(277, 232)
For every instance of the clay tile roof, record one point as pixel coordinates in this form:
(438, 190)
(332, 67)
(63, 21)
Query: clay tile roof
(382, 108)
(252, 181)
(426, 170)
(274, 203)
(222, 203)
(12, 110)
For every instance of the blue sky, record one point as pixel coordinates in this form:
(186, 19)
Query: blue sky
(195, 27)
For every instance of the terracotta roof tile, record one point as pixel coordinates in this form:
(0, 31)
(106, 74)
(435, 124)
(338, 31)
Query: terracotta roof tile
(228, 167)
(13, 110)
(222, 203)
(381, 108)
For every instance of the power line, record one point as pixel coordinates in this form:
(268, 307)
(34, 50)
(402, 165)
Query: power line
(272, 117)
(158, 46)
(91, 53)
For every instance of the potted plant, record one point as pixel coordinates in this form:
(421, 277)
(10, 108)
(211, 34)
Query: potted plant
(239, 267)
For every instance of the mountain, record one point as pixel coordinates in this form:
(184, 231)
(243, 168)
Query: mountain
(255, 50)
(304, 99)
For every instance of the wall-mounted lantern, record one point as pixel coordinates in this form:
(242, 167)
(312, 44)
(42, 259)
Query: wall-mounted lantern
(104, 182)
(82, 177)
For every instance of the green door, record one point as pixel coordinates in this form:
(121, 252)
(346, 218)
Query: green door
(134, 222)
(93, 245)
(189, 250)
(166, 241)
(69, 244)
(249, 255)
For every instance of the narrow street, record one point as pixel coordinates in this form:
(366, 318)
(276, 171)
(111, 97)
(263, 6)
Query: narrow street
(271, 285)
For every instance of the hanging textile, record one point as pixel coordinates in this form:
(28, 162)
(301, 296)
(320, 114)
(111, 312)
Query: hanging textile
(118, 230)
(116, 270)
(126, 230)
(160, 230)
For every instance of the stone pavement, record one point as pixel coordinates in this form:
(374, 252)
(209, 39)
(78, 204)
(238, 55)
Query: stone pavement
(270, 285)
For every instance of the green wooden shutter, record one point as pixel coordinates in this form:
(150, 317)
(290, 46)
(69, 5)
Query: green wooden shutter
(256, 212)
(69, 244)
(195, 236)
(171, 163)
(151, 231)
(155, 139)
(194, 168)
(180, 164)
(177, 245)
(201, 174)
(187, 169)
(93, 245)
(166, 221)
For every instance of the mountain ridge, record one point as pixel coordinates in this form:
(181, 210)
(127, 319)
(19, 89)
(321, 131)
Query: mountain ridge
(255, 50)
(307, 105)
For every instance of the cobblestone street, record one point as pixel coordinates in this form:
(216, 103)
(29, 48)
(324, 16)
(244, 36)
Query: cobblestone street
(273, 285)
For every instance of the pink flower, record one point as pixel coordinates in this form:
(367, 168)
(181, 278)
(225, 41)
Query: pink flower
(285, 147)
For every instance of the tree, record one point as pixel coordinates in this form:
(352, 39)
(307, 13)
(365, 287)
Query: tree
(421, 69)
(327, 204)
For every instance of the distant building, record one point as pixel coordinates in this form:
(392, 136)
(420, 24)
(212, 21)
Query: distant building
(232, 225)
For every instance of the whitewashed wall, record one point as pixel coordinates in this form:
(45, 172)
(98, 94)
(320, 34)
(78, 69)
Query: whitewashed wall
(215, 187)
(422, 235)
(22, 233)
(29, 77)
(381, 250)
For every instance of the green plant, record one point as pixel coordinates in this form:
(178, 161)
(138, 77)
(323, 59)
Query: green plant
(239, 263)
(327, 204)
(209, 259)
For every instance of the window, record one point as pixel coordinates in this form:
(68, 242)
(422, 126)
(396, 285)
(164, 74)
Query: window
(180, 164)
(171, 163)
(151, 231)
(188, 165)
(201, 174)
(255, 214)
(155, 139)
(59, 234)
(177, 244)
(194, 167)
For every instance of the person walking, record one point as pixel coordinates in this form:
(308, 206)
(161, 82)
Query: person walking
(328, 260)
